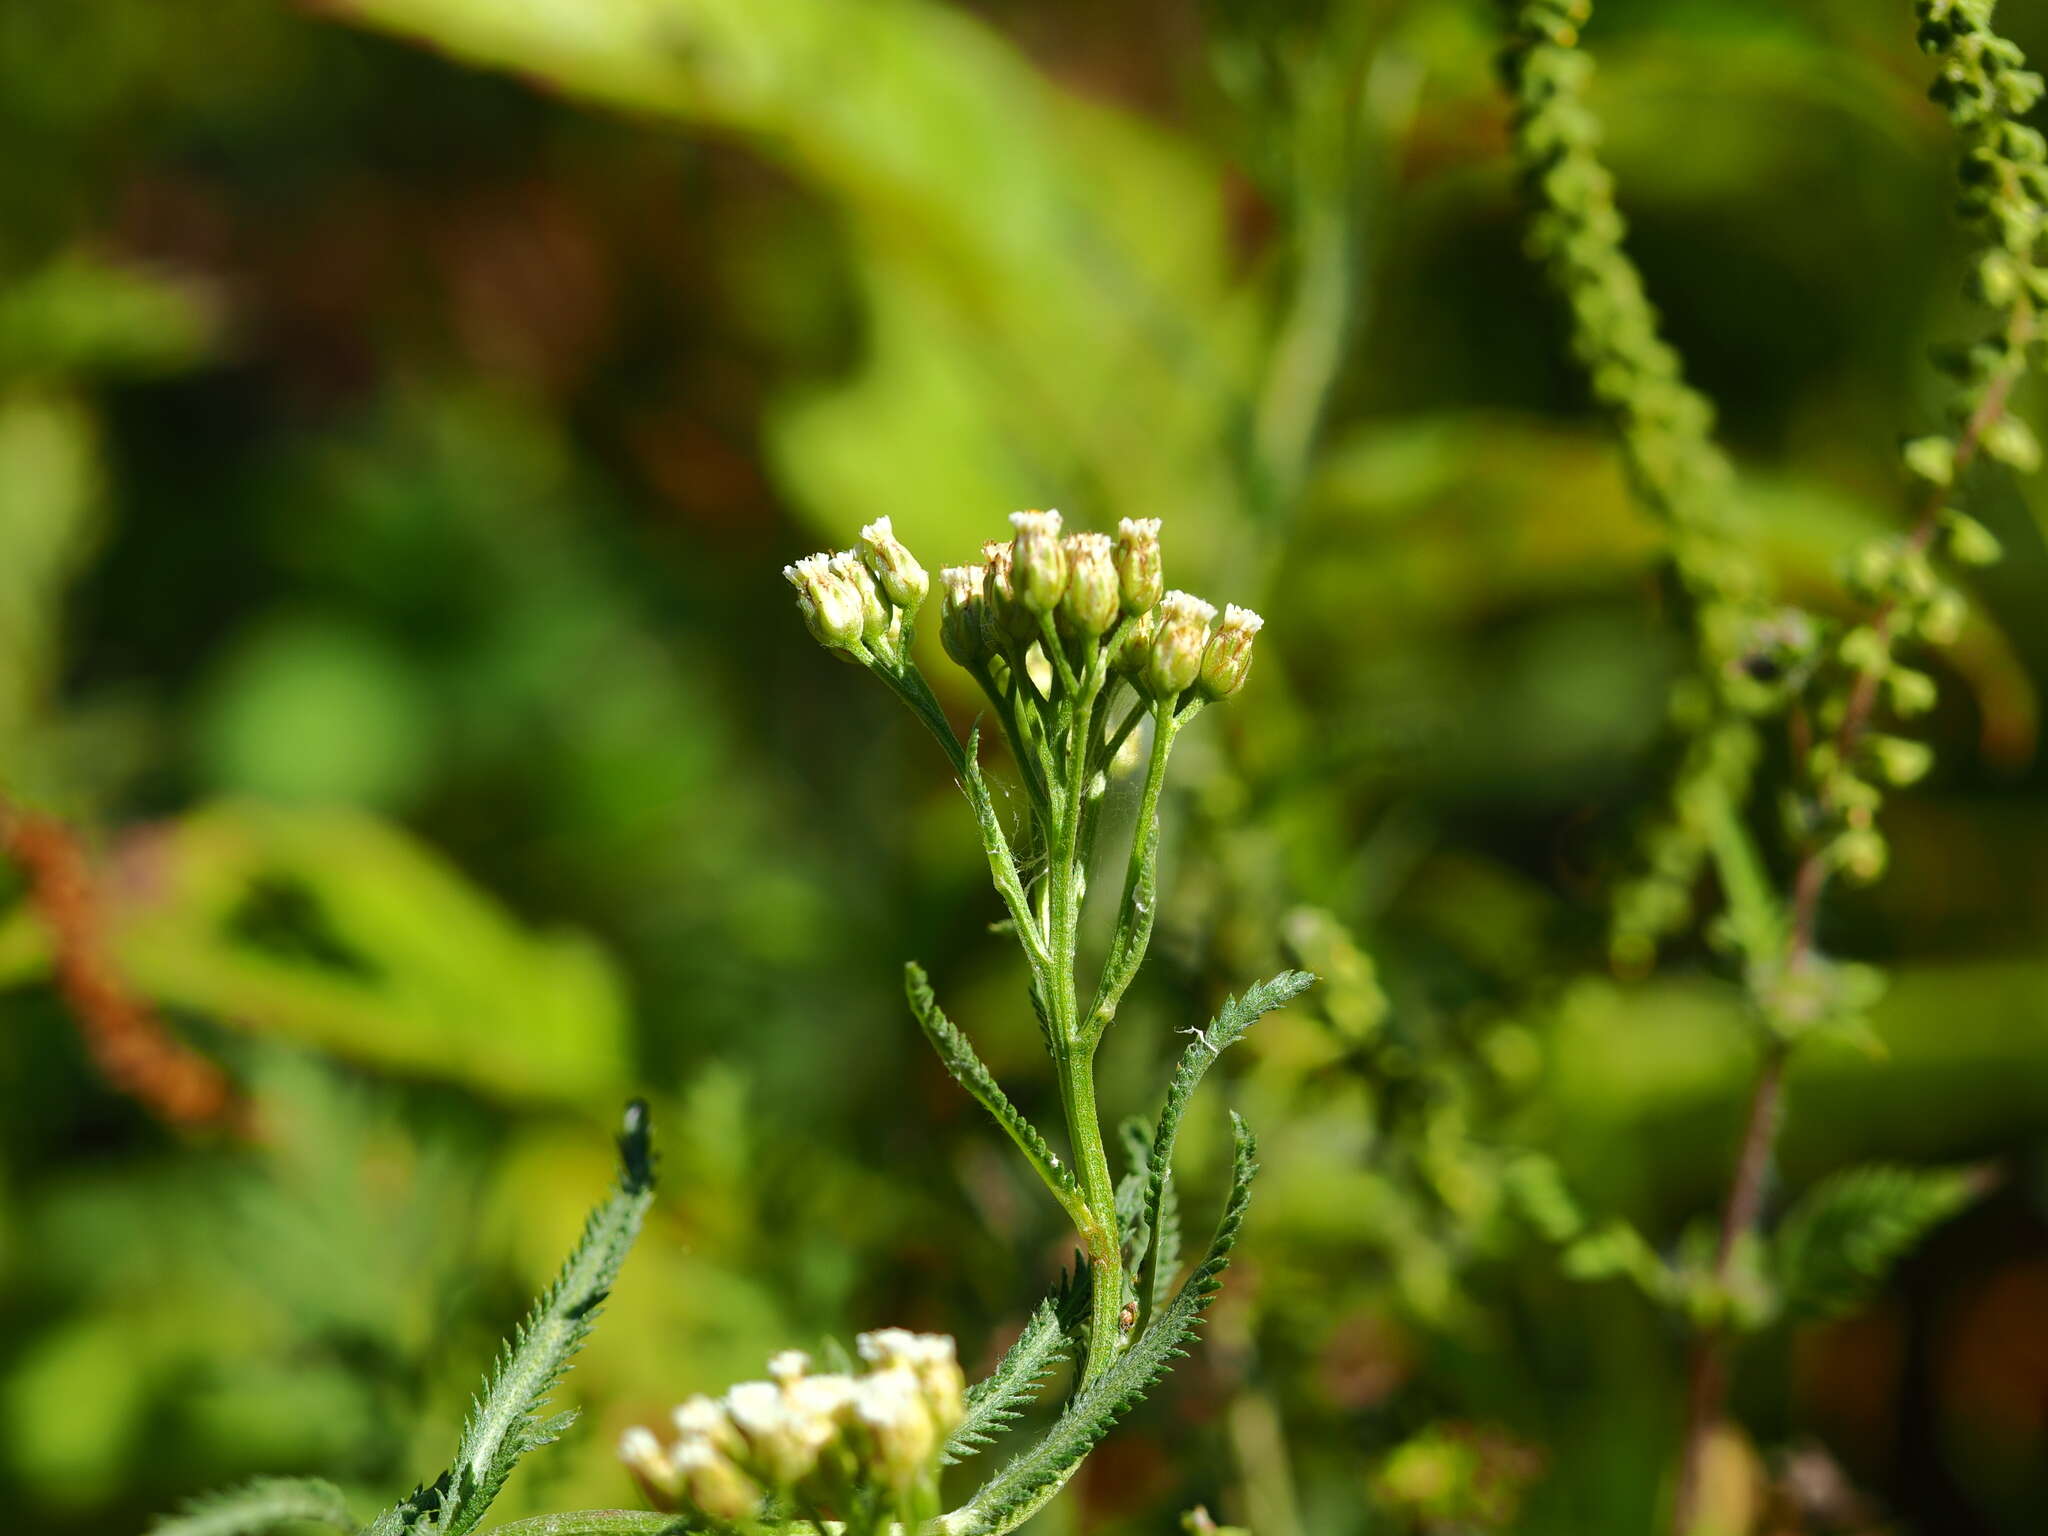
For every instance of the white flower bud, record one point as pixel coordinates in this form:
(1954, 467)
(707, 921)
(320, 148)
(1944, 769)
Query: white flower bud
(715, 1485)
(830, 606)
(874, 613)
(886, 1346)
(1007, 618)
(1175, 659)
(1139, 573)
(1091, 600)
(784, 1437)
(1229, 655)
(700, 1418)
(963, 628)
(902, 579)
(891, 1407)
(788, 1366)
(820, 1400)
(650, 1466)
(1038, 561)
(932, 1361)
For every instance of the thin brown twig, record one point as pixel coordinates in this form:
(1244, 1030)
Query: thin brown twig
(126, 1038)
(1707, 1368)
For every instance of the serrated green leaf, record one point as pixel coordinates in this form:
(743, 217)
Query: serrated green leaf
(268, 1504)
(1236, 1016)
(1837, 1244)
(1132, 1233)
(997, 1402)
(505, 1423)
(958, 1054)
(1029, 1482)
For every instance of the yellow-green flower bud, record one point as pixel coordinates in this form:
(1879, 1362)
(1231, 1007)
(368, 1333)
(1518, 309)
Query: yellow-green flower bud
(1229, 655)
(1860, 854)
(830, 605)
(650, 1466)
(714, 1484)
(1943, 616)
(1912, 692)
(1092, 597)
(1138, 570)
(1900, 759)
(1969, 541)
(902, 579)
(1175, 659)
(963, 626)
(1038, 561)
(1136, 646)
(874, 613)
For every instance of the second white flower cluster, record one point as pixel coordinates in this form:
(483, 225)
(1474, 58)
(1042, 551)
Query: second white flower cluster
(821, 1443)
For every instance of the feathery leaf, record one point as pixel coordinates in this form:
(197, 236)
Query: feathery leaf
(505, 1423)
(1237, 1015)
(1132, 1233)
(1837, 1244)
(998, 1401)
(968, 1071)
(268, 1504)
(1029, 1482)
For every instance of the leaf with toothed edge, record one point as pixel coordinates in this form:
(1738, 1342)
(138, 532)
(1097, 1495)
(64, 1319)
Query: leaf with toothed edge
(997, 1402)
(1839, 1242)
(958, 1054)
(1132, 1232)
(1233, 1019)
(1028, 1483)
(505, 1422)
(261, 1507)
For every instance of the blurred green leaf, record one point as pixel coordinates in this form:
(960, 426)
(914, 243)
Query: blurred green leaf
(334, 929)
(1838, 1244)
(1049, 304)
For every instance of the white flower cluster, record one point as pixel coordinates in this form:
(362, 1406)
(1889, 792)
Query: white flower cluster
(818, 1442)
(860, 601)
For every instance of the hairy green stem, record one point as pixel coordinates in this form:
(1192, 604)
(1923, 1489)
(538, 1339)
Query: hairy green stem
(1135, 911)
(1074, 1056)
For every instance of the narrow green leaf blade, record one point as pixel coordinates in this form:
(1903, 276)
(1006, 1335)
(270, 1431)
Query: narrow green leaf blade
(268, 1504)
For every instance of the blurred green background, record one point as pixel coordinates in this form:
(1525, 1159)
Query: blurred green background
(405, 409)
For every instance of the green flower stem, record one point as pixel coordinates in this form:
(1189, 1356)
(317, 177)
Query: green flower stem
(1073, 1057)
(1022, 748)
(908, 683)
(1021, 681)
(1135, 911)
(1049, 642)
(1120, 735)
